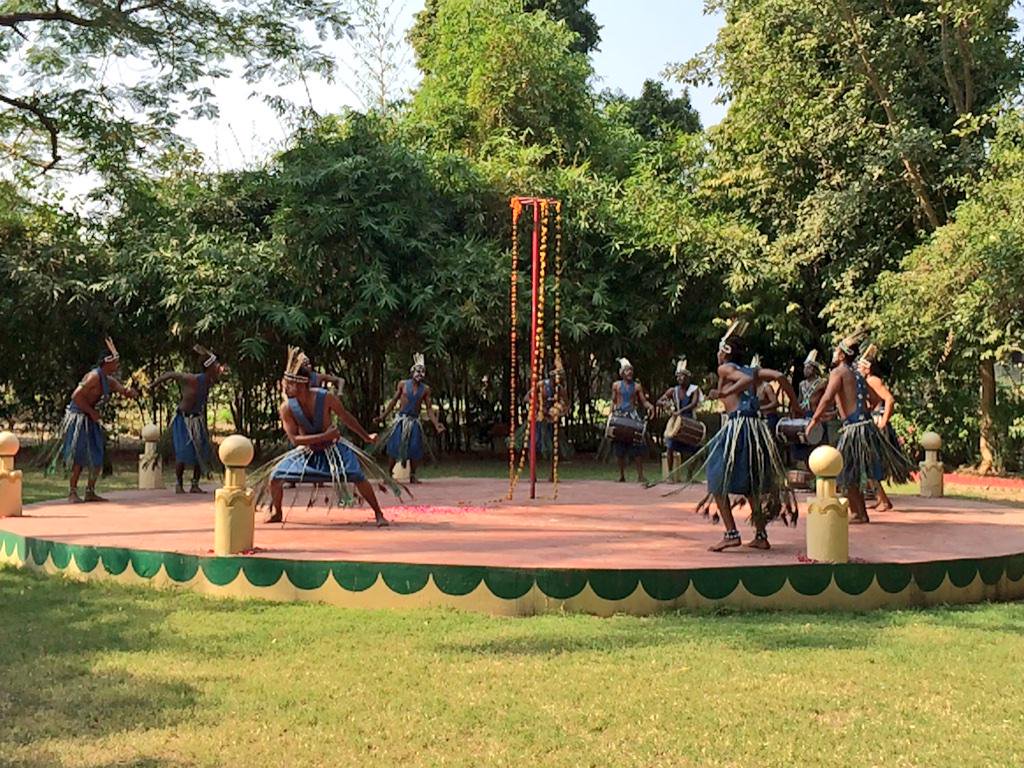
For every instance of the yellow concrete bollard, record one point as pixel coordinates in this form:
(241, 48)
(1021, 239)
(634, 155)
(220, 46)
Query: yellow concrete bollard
(664, 469)
(151, 470)
(10, 478)
(931, 468)
(234, 504)
(828, 524)
(402, 473)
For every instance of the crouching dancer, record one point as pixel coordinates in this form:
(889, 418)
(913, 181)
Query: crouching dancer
(320, 454)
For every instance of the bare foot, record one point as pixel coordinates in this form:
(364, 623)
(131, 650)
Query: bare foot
(196, 489)
(727, 542)
(74, 498)
(91, 495)
(621, 480)
(859, 520)
(179, 488)
(413, 480)
(757, 543)
(882, 507)
(277, 517)
(382, 522)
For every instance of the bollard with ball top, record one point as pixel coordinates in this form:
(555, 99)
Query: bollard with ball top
(402, 473)
(828, 525)
(234, 504)
(10, 478)
(931, 468)
(151, 471)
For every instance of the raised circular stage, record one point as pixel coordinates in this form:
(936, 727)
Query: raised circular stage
(601, 548)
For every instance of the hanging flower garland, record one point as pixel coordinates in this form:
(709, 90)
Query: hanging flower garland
(517, 210)
(537, 350)
(557, 343)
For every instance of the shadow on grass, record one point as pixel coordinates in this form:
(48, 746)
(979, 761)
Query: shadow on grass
(752, 632)
(53, 638)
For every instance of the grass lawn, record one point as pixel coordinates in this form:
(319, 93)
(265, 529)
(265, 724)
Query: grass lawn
(96, 675)
(99, 675)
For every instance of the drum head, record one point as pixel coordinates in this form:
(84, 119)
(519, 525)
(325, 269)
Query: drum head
(672, 428)
(816, 435)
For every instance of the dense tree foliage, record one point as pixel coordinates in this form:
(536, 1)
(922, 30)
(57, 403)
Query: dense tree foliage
(853, 129)
(869, 170)
(94, 83)
(580, 20)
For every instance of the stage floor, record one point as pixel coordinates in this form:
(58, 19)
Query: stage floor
(592, 526)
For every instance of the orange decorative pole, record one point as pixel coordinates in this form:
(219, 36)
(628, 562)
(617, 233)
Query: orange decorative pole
(513, 409)
(533, 349)
(541, 218)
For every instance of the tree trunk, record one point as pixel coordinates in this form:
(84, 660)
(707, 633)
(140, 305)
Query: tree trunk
(987, 440)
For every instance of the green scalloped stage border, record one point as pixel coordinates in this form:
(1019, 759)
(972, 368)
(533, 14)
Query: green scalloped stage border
(523, 591)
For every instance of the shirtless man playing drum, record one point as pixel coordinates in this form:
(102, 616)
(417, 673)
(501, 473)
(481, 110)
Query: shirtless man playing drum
(627, 393)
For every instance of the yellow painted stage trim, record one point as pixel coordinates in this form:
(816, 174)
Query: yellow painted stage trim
(482, 600)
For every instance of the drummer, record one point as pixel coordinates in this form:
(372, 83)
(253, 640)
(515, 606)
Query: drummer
(812, 387)
(627, 394)
(683, 399)
(768, 397)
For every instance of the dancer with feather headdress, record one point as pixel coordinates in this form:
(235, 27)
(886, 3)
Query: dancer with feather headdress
(80, 442)
(192, 446)
(404, 437)
(867, 454)
(320, 456)
(743, 457)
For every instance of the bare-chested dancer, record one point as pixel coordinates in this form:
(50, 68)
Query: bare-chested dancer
(866, 453)
(320, 456)
(81, 440)
(743, 457)
(192, 446)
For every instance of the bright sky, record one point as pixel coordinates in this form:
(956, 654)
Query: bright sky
(638, 39)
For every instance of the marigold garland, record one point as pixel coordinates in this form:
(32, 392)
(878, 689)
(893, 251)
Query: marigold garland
(543, 218)
(517, 210)
(556, 386)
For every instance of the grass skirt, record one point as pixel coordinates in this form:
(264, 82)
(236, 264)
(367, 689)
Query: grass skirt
(869, 455)
(337, 466)
(742, 459)
(403, 440)
(79, 440)
(192, 441)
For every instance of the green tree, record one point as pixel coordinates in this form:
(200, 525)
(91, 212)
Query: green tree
(61, 107)
(956, 305)
(656, 114)
(573, 13)
(495, 70)
(852, 130)
(48, 258)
